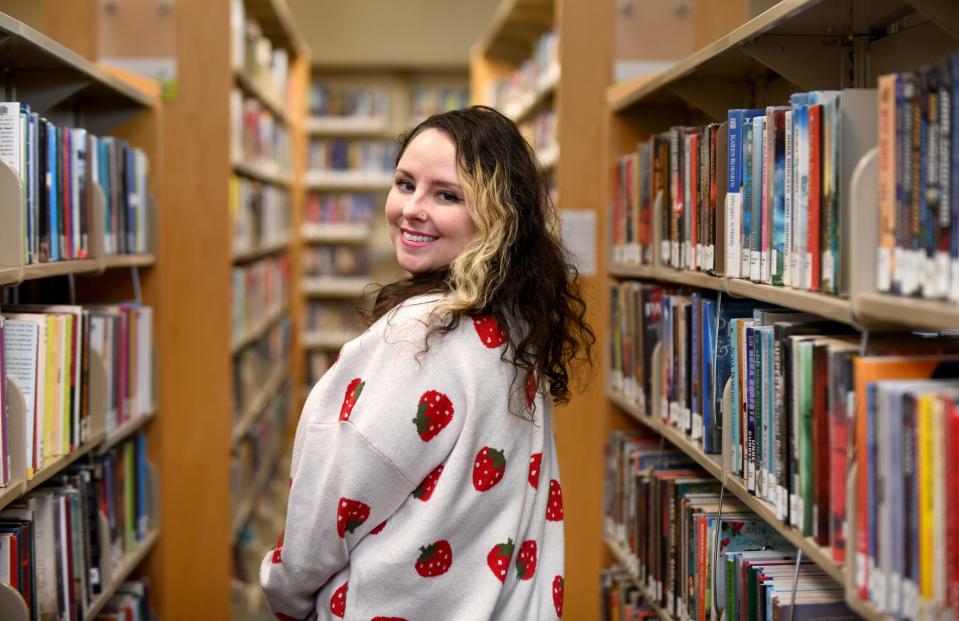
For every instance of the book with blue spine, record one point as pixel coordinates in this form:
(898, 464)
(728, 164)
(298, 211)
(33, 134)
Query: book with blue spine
(738, 119)
(725, 359)
(778, 196)
(52, 202)
(800, 176)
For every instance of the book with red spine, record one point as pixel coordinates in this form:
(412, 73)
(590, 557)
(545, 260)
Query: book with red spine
(813, 256)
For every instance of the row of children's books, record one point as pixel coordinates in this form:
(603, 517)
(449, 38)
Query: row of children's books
(61, 542)
(373, 156)
(258, 137)
(260, 290)
(918, 190)
(620, 598)
(759, 197)
(540, 130)
(60, 168)
(260, 214)
(518, 89)
(698, 553)
(333, 317)
(336, 261)
(340, 207)
(802, 407)
(49, 355)
(255, 365)
(268, 65)
(360, 101)
(253, 462)
(429, 100)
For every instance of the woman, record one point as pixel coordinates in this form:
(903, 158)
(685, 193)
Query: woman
(424, 477)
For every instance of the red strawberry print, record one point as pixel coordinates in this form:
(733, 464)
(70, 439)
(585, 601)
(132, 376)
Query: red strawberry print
(535, 461)
(353, 391)
(378, 529)
(530, 390)
(489, 331)
(277, 551)
(559, 586)
(350, 514)
(338, 601)
(526, 560)
(433, 414)
(554, 505)
(425, 490)
(435, 559)
(498, 559)
(488, 468)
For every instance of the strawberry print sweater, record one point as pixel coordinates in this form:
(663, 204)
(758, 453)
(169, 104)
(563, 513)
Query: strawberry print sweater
(417, 491)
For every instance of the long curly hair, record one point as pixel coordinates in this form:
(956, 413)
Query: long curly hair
(515, 268)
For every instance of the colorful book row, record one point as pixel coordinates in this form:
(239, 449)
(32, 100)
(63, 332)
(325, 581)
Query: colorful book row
(61, 169)
(260, 291)
(337, 207)
(258, 137)
(371, 156)
(77, 371)
(260, 214)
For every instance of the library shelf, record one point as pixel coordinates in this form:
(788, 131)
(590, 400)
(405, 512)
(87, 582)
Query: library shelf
(9, 275)
(911, 312)
(347, 180)
(691, 278)
(326, 340)
(866, 610)
(258, 404)
(828, 306)
(259, 172)
(723, 57)
(532, 101)
(260, 329)
(59, 464)
(245, 510)
(632, 271)
(126, 429)
(713, 464)
(60, 74)
(251, 87)
(336, 232)
(348, 126)
(11, 492)
(514, 29)
(334, 286)
(276, 21)
(622, 557)
(60, 268)
(126, 260)
(265, 250)
(121, 573)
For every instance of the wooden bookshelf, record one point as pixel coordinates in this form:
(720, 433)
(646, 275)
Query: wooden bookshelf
(59, 83)
(621, 556)
(788, 48)
(256, 406)
(247, 256)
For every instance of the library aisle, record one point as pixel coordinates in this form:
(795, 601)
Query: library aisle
(761, 199)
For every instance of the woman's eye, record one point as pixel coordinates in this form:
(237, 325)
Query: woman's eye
(404, 185)
(449, 197)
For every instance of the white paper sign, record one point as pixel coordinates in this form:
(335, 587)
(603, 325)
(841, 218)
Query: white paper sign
(579, 237)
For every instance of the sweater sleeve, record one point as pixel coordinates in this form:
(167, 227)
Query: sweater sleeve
(372, 429)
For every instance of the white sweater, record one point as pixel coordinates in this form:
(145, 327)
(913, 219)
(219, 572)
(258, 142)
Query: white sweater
(416, 494)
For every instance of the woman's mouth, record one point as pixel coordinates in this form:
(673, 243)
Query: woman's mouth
(416, 240)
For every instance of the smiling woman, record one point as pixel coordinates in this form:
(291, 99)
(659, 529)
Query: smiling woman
(425, 481)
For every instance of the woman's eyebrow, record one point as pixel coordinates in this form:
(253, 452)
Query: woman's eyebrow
(452, 185)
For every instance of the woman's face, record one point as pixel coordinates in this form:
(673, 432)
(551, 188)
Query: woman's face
(426, 209)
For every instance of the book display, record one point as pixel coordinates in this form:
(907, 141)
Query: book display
(78, 491)
(781, 293)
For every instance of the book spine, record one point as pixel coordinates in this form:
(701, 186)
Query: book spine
(777, 258)
(946, 137)
(927, 517)
(713, 196)
(831, 243)
(788, 200)
(954, 185)
(887, 182)
(748, 146)
(735, 456)
(733, 202)
(930, 179)
(750, 411)
(811, 263)
(758, 194)
(676, 147)
(767, 170)
(52, 192)
(913, 276)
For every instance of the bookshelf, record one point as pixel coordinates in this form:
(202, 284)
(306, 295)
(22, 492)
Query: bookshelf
(356, 114)
(796, 45)
(69, 90)
(270, 66)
